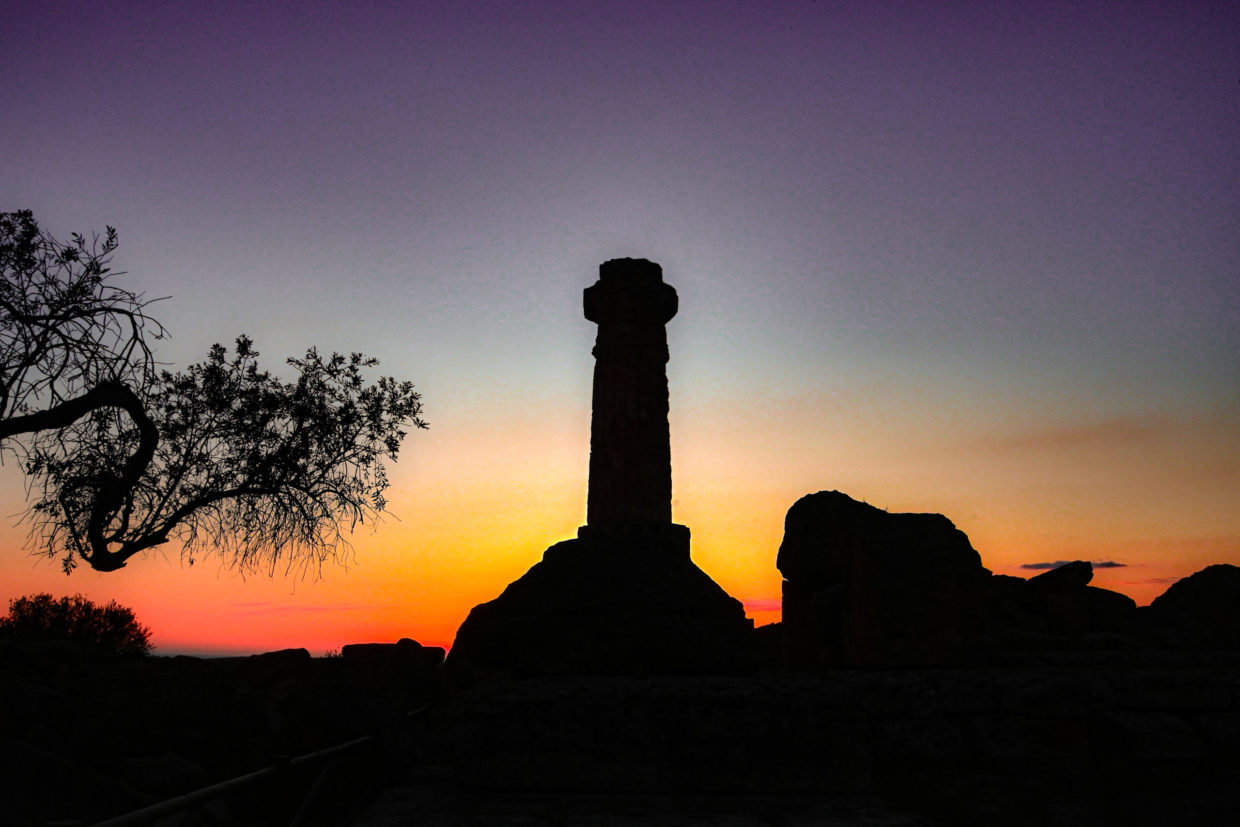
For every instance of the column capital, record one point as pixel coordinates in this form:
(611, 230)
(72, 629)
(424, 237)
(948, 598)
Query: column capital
(630, 291)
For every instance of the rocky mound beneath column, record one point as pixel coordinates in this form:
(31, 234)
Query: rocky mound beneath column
(609, 604)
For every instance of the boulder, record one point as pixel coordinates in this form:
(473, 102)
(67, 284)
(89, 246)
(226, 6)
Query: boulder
(274, 667)
(1012, 608)
(1054, 609)
(1066, 578)
(392, 659)
(607, 605)
(1200, 611)
(768, 645)
(1109, 612)
(864, 587)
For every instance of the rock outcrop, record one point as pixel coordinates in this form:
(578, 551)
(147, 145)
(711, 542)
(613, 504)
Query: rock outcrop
(1066, 578)
(1055, 609)
(867, 588)
(1202, 611)
(405, 657)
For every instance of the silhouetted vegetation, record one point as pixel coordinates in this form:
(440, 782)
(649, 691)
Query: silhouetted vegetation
(111, 629)
(123, 457)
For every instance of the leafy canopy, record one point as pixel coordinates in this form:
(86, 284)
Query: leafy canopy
(64, 328)
(40, 618)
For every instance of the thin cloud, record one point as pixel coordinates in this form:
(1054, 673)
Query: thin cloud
(267, 608)
(1098, 564)
(1111, 433)
(764, 604)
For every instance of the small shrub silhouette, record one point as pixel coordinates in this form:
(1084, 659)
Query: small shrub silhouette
(110, 629)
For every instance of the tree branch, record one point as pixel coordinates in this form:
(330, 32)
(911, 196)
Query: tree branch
(103, 395)
(112, 488)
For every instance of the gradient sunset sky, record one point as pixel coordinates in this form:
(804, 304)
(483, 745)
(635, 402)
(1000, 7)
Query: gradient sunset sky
(980, 259)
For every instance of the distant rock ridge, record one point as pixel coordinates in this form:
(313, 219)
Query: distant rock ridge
(864, 587)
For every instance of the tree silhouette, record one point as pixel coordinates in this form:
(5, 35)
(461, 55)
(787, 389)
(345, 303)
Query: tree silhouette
(123, 457)
(112, 629)
(69, 341)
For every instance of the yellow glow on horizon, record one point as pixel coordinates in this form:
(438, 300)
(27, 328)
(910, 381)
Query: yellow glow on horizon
(476, 501)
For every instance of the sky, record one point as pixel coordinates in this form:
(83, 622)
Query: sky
(981, 259)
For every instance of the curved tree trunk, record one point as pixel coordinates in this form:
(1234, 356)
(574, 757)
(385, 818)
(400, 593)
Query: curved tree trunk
(113, 488)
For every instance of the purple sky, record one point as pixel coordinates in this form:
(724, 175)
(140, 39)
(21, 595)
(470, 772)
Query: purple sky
(1055, 183)
(996, 220)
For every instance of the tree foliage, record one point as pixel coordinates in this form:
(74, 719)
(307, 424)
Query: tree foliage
(112, 629)
(265, 469)
(122, 458)
(65, 330)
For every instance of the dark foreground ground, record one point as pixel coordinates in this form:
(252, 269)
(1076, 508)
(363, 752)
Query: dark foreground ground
(1073, 740)
(1069, 738)
(428, 802)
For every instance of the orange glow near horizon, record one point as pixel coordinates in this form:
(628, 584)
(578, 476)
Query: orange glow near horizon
(475, 504)
(971, 259)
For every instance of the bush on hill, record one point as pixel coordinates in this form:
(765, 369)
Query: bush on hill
(110, 629)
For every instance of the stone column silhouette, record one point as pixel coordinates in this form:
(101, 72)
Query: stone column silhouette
(624, 597)
(630, 451)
